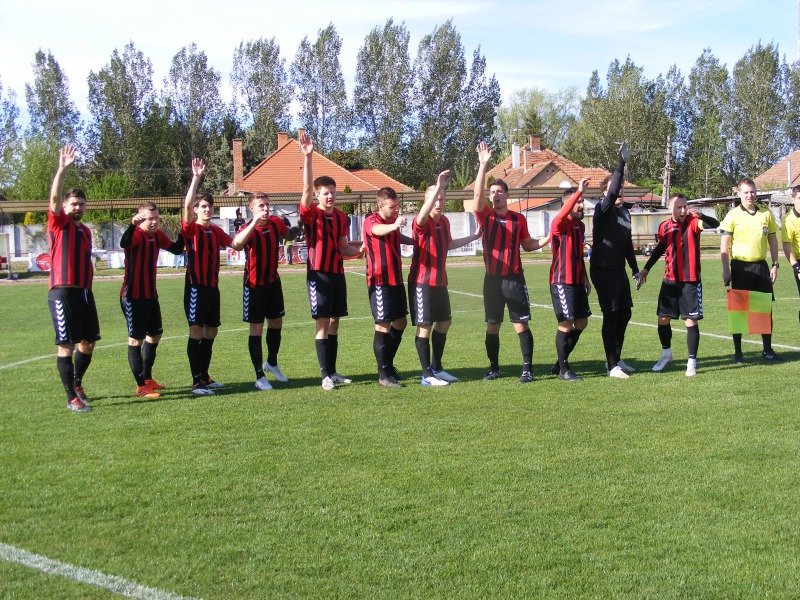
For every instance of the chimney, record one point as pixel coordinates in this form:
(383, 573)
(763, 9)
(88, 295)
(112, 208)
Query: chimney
(283, 137)
(536, 143)
(238, 167)
(526, 154)
(515, 155)
(300, 131)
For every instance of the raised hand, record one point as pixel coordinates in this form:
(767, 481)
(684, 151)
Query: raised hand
(138, 218)
(583, 185)
(625, 152)
(306, 144)
(66, 156)
(401, 222)
(484, 153)
(198, 167)
(444, 179)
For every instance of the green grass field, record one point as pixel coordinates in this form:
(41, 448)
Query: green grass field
(661, 486)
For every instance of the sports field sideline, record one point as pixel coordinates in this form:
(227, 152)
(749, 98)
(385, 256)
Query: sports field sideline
(658, 486)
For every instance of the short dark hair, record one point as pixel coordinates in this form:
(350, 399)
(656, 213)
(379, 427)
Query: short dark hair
(259, 195)
(606, 182)
(147, 205)
(568, 193)
(501, 183)
(203, 196)
(75, 193)
(677, 196)
(746, 180)
(795, 189)
(324, 181)
(386, 193)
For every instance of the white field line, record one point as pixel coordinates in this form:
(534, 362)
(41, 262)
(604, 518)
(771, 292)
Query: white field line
(118, 585)
(468, 294)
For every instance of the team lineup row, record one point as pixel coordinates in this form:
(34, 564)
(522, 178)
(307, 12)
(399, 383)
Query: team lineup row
(747, 231)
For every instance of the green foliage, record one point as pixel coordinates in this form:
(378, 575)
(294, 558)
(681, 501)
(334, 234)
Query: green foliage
(349, 159)
(37, 166)
(532, 111)
(53, 115)
(35, 218)
(9, 140)
(348, 208)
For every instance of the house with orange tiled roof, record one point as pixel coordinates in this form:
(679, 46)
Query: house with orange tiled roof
(282, 172)
(782, 175)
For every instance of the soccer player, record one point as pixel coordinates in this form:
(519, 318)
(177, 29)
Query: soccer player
(790, 236)
(201, 300)
(612, 246)
(70, 298)
(262, 296)
(387, 294)
(681, 292)
(569, 283)
(427, 282)
(138, 297)
(746, 231)
(326, 234)
(503, 232)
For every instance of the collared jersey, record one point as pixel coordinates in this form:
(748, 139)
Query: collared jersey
(202, 252)
(749, 232)
(141, 260)
(681, 249)
(431, 242)
(323, 235)
(791, 231)
(261, 252)
(502, 236)
(384, 264)
(70, 252)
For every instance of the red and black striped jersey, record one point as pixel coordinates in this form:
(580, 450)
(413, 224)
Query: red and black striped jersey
(70, 252)
(261, 252)
(141, 260)
(502, 236)
(384, 264)
(567, 239)
(682, 249)
(323, 236)
(202, 252)
(431, 242)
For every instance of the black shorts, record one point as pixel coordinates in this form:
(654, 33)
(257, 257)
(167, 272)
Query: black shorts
(201, 304)
(327, 294)
(143, 317)
(74, 315)
(263, 302)
(613, 289)
(752, 276)
(501, 291)
(388, 302)
(796, 279)
(429, 304)
(679, 299)
(570, 302)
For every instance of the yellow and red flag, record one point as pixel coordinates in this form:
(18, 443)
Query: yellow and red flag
(749, 312)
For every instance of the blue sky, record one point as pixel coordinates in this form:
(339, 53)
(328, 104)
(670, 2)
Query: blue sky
(526, 43)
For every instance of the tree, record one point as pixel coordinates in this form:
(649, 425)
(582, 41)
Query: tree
(9, 139)
(317, 75)
(381, 104)
(53, 115)
(757, 103)
(708, 100)
(480, 100)
(192, 89)
(259, 79)
(532, 111)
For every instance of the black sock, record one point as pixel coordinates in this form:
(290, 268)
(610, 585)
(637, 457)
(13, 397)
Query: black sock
(438, 340)
(206, 350)
(693, 340)
(572, 340)
(493, 350)
(256, 355)
(395, 337)
(322, 356)
(424, 352)
(526, 346)
(135, 362)
(148, 358)
(609, 333)
(737, 343)
(273, 345)
(81, 364)
(67, 373)
(195, 362)
(766, 340)
(333, 352)
(562, 348)
(665, 336)
(381, 345)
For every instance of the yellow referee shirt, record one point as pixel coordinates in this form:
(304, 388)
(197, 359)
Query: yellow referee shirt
(748, 233)
(791, 230)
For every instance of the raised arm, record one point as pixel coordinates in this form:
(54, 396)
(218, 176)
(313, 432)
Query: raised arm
(615, 184)
(431, 195)
(66, 157)
(198, 169)
(479, 194)
(307, 148)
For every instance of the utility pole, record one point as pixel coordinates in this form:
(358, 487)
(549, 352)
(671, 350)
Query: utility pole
(667, 173)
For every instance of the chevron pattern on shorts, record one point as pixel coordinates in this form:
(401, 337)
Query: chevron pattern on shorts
(246, 304)
(192, 304)
(61, 322)
(562, 300)
(419, 304)
(380, 309)
(127, 309)
(312, 298)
